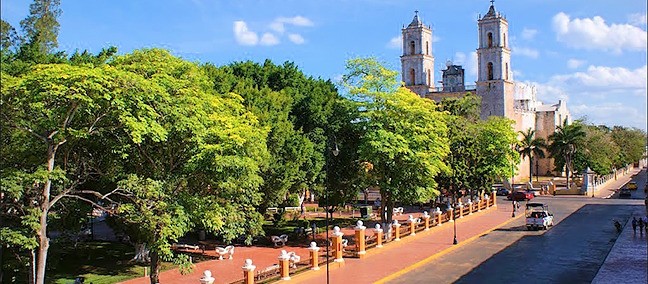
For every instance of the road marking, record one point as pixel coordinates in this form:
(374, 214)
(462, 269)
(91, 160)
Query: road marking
(442, 253)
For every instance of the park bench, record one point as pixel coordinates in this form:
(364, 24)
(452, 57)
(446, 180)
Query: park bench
(276, 240)
(293, 209)
(223, 251)
(398, 211)
(184, 247)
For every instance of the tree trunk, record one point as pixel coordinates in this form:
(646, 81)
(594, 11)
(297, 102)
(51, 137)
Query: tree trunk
(155, 268)
(141, 253)
(531, 169)
(43, 241)
(32, 267)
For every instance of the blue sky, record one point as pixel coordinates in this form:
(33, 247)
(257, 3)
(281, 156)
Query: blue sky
(590, 53)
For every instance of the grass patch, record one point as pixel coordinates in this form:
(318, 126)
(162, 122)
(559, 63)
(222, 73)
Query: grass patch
(98, 262)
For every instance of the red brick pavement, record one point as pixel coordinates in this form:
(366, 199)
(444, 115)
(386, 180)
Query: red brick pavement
(396, 256)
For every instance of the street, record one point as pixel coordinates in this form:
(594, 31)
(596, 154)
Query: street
(570, 252)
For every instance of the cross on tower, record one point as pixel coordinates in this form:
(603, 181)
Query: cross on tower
(416, 12)
(492, 2)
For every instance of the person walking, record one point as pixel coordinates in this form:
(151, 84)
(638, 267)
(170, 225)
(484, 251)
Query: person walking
(641, 226)
(634, 224)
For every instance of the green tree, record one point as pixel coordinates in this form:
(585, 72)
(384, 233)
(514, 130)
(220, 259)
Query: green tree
(8, 36)
(405, 138)
(631, 142)
(47, 115)
(599, 151)
(531, 147)
(204, 173)
(41, 27)
(565, 142)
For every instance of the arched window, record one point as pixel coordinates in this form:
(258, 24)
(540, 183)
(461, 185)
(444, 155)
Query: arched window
(490, 39)
(490, 70)
(429, 80)
(507, 72)
(427, 48)
(412, 74)
(412, 47)
(504, 41)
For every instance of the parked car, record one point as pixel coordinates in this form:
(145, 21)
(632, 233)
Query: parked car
(502, 191)
(520, 196)
(632, 185)
(625, 193)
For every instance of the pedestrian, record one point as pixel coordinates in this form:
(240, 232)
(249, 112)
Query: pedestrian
(641, 226)
(634, 224)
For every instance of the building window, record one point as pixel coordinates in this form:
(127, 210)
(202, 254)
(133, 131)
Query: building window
(412, 74)
(412, 47)
(427, 48)
(504, 42)
(490, 39)
(429, 80)
(507, 72)
(490, 70)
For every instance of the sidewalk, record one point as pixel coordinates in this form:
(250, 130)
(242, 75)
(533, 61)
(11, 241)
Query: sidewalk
(396, 258)
(628, 259)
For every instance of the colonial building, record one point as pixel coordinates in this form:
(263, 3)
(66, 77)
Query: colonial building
(500, 94)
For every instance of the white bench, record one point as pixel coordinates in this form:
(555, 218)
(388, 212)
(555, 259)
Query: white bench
(276, 240)
(223, 251)
(293, 209)
(398, 211)
(184, 246)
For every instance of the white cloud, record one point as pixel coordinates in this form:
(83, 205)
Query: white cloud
(459, 58)
(395, 42)
(603, 76)
(243, 35)
(606, 95)
(472, 64)
(296, 38)
(637, 19)
(575, 63)
(525, 51)
(528, 34)
(613, 113)
(594, 33)
(269, 39)
(517, 73)
(278, 24)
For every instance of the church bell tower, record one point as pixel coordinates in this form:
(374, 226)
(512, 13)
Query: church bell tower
(417, 62)
(494, 81)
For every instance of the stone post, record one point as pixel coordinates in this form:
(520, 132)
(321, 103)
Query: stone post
(396, 228)
(207, 278)
(470, 206)
(412, 225)
(461, 210)
(248, 272)
(438, 215)
(314, 256)
(360, 239)
(284, 265)
(379, 236)
(494, 197)
(337, 244)
(450, 214)
(426, 219)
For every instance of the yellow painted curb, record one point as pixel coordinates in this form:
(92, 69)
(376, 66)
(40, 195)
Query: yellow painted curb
(441, 253)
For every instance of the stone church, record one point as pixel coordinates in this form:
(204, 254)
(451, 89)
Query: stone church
(500, 94)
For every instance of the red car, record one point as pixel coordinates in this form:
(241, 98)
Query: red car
(521, 196)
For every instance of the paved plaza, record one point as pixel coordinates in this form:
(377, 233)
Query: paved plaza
(583, 240)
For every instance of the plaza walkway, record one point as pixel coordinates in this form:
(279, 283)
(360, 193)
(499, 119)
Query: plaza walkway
(395, 258)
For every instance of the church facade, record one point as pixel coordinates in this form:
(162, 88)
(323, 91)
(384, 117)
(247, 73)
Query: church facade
(500, 94)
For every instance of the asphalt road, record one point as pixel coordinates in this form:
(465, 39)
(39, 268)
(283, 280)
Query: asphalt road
(570, 252)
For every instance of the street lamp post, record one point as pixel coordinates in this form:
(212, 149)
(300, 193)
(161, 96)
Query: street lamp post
(513, 190)
(454, 242)
(335, 152)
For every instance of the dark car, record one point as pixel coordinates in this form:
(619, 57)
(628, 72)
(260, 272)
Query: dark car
(502, 191)
(520, 196)
(625, 193)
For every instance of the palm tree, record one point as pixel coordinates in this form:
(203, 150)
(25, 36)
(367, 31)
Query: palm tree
(530, 147)
(565, 142)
